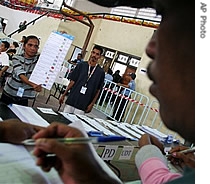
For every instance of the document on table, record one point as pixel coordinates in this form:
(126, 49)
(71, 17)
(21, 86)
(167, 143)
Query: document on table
(51, 59)
(28, 115)
(17, 165)
(47, 110)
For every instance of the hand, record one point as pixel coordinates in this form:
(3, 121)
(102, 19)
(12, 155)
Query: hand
(1, 73)
(75, 163)
(61, 100)
(37, 88)
(147, 139)
(89, 108)
(15, 131)
(182, 159)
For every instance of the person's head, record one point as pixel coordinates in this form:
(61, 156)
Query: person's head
(79, 56)
(110, 71)
(23, 39)
(11, 51)
(96, 53)
(31, 46)
(4, 46)
(133, 76)
(117, 72)
(15, 44)
(172, 70)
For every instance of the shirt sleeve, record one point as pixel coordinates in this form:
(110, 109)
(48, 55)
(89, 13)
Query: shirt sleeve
(152, 166)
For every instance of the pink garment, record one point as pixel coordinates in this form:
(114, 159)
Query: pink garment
(154, 171)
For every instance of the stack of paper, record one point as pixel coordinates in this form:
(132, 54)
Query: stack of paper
(28, 115)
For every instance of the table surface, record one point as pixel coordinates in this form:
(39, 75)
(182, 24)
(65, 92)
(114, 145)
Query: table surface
(6, 113)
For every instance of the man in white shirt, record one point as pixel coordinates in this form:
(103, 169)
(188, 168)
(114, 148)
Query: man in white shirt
(4, 59)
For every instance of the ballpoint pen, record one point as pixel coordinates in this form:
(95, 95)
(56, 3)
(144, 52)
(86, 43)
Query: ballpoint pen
(189, 150)
(80, 140)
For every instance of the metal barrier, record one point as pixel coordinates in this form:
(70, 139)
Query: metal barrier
(135, 108)
(119, 107)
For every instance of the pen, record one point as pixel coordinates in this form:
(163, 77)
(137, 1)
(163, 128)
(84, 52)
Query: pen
(189, 150)
(80, 140)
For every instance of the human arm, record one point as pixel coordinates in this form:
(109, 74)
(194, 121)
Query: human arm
(15, 131)
(90, 106)
(75, 163)
(151, 163)
(182, 159)
(36, 87)
(71, 84)
(4, 69)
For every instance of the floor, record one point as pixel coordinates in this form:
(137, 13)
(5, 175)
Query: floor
(128, 171)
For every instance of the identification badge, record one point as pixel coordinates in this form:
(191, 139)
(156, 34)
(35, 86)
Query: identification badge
(83, 90)
(20, 92)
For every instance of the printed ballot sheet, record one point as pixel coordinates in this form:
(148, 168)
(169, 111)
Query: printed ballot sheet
(18, 166)
(28, 115)
(51, 59)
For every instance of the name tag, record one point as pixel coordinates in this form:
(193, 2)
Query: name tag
(20, 92)
(83, 90)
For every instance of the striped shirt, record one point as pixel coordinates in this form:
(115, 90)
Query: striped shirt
(23, 66)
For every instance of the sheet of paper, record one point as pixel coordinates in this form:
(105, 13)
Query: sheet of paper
(73, 118)
(18, 166)
(95, 124)
(51, 59)
(47, 110)
(28, 115)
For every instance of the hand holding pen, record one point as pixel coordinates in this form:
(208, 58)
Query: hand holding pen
(182, 156)
(75, 163)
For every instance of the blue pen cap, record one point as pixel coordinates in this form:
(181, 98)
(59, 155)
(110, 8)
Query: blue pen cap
(95, 133)
(111, 138)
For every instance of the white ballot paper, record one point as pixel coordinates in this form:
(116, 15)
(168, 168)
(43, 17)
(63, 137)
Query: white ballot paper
(28, 115)
(51, 59)
(18, 166)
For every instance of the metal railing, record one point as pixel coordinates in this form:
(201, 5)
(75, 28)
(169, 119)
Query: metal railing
(135, 108)
(120, 107)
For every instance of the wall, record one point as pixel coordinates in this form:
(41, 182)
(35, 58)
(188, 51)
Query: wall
(128, 38)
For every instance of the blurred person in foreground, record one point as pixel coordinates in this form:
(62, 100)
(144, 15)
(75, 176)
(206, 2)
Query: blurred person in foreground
(172, 70)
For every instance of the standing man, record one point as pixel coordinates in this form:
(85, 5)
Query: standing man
(4, 60)
(18, 88)
(86, 82)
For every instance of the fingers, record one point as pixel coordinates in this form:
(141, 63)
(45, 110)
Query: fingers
(58, 130)
(178, 148)
(61, 100)
(144, 140)
(49, 152)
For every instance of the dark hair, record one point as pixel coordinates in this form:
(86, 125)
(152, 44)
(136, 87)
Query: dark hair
(133, 75)
(99, 48)
(11, 51)
(16, 44)
(110, 71)
(31, 37)
(6, 44)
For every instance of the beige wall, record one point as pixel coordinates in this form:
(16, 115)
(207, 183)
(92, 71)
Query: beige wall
(123, 37)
